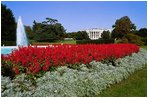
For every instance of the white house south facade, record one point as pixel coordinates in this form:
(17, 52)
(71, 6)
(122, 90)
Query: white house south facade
(95, 33)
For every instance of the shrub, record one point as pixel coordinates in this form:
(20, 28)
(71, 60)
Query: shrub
(82, 35)
(99, 41)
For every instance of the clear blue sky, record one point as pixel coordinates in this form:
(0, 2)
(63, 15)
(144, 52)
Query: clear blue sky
(78, 15)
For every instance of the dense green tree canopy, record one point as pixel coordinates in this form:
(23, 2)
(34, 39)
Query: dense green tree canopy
(82, 35)
(132, 38)
(29, 32)
(70, 35)
(122, 27)
(49, 30)
(105, 35)
(50, 20)
(8, 24)
(142, 32)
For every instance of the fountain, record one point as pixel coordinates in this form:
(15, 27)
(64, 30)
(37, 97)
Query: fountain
(21, 39)
(21, 35)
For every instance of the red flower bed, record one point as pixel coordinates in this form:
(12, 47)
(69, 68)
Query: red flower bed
(35, 59)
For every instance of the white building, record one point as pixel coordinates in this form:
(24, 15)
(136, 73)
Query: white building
(95, 33)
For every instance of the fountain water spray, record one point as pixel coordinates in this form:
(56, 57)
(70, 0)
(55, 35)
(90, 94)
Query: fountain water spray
(21, 38)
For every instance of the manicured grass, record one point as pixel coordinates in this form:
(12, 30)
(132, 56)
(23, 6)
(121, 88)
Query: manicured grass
(57, 42)
(66, 42)
(134, 86)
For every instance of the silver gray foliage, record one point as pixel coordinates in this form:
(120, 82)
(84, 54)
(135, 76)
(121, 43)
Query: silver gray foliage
(75, 83)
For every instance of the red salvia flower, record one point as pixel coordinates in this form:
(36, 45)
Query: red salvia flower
(36, 59)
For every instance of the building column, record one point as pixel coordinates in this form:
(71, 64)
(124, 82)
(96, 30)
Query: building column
(100, 34)
(94, 35)
(90, 35)
(97, 35)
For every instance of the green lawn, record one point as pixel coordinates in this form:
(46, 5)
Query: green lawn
(134, 86)
(57, 42)
(65, 42)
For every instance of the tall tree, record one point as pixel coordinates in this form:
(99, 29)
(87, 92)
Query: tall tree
(70, 35)
(82, 35)
(48, 31)
(105, 35)
(50, 20)
(29, 32)
(8, 24)
(59, 30)
(142, 32)
(122, 27)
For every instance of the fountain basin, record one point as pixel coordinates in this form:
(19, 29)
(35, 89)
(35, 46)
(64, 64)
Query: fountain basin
(8, 49)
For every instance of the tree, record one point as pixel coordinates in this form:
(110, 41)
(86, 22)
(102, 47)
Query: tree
(29, 32)
(37, 26)
(122, 27)
(82, 35)
(142, 32)
(46, 31)
(59, 30)
(105, 35)
(50, 20)
(8, 24)
(70, 35)
(43, 32)
(132, 38)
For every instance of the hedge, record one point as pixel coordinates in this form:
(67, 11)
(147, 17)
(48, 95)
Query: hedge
(99, 41)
